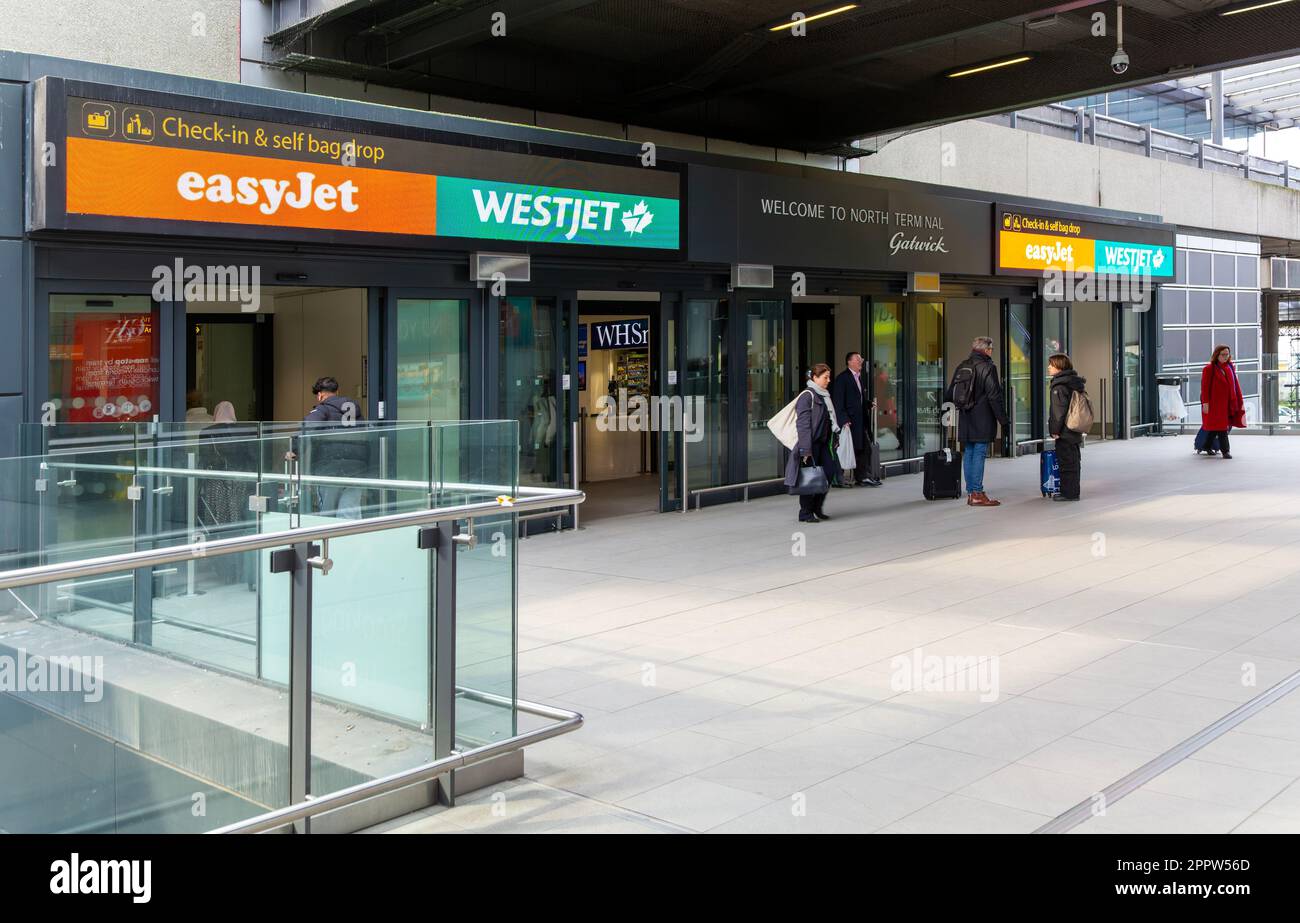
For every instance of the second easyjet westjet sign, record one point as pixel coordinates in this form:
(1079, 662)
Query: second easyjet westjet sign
(167, 183)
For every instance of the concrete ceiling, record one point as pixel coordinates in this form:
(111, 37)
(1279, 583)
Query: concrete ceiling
(717, 68)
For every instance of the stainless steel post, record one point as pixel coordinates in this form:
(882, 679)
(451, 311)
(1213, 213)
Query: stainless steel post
(1128, 410)
(1102, 394)
(576, 474)
(300, 578)
(192, 516)
(443, 665)
(686, 469)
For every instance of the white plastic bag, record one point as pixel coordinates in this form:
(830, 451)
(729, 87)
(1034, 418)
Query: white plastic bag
(848, 458)
(1172, 408)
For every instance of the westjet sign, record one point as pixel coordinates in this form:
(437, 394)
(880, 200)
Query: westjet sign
(548, 214)
(1134, 259)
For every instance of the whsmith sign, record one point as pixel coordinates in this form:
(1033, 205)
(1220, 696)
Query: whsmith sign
(111, 158)
(789, 221)
(1033, 242)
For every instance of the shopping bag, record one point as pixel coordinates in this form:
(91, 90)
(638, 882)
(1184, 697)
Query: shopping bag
(784, 424)
(847, 457)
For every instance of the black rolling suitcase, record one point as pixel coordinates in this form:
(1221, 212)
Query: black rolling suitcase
(873, 467)
(941, 473)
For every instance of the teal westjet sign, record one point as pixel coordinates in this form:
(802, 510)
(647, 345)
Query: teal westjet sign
(547, 214)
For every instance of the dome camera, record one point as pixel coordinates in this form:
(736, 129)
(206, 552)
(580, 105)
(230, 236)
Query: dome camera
(1119, 61)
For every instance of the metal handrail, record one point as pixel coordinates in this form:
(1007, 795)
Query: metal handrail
(566, 721)
(131, 560)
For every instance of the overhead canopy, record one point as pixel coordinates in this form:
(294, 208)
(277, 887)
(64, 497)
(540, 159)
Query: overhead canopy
(725, 68)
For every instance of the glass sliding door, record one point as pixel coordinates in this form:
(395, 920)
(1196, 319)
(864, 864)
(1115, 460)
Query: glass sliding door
(930, 382)
(765, 386)
(706, 351)
(432, 353)
(527, 390)
(1056, 339)
(1018, 325)
(886, 375)
(1131, 329)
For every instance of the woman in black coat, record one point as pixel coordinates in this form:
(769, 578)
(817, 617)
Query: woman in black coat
(1065, 382)
(815, 416)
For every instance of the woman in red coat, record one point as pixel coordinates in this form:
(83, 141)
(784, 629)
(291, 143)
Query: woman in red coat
(1222, 406)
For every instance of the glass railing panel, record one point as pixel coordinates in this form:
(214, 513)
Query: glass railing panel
(196, 484)
(486, 467)
(105, 737)
(86, 512)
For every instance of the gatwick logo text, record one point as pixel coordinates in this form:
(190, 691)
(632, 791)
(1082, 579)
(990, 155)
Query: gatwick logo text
(103, 876)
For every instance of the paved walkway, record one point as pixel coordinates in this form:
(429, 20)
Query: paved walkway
(732, 684)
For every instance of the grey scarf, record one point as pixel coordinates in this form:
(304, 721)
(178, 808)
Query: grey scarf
(826, 397)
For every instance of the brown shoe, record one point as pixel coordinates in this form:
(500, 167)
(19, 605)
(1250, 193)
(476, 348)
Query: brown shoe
(983, 499)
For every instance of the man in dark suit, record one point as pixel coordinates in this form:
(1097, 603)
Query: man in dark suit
(849, 395)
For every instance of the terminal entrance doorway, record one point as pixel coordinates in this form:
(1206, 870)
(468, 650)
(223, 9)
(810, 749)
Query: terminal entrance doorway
(618, 453)
(263, 363)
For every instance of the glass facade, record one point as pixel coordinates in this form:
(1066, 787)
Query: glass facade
(1214, 299)
(930, 379)
(1145, 108)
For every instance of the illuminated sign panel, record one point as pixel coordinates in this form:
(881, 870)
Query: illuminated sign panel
(1033, 243)
(139, 161)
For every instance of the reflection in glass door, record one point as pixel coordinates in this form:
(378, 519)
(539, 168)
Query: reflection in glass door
(526, 385)
(1020, 368)
(930, 382)
(1056, 339)
(706, 377)
(886, 381)
(765, 387)
(432, 383)
(1131, 360)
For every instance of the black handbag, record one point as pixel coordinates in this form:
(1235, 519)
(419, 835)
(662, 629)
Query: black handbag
(812, 480)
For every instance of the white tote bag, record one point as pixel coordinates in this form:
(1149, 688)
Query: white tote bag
(784, 424)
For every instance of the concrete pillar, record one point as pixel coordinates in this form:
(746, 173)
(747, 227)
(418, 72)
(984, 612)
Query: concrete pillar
(1216, 107)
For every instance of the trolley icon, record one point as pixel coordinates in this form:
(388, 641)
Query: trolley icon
(138, 124)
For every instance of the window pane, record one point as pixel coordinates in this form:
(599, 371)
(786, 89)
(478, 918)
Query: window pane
(103, 358)
(886, 353)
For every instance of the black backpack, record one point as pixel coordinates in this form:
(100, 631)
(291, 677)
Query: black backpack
(963, 386)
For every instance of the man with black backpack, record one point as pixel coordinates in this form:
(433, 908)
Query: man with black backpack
(976, 393)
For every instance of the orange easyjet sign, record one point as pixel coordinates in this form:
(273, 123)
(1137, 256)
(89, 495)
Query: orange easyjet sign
(1018, 250)
(180, 184)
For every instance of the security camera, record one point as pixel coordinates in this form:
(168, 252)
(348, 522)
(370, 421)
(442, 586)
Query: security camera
(1119, 60)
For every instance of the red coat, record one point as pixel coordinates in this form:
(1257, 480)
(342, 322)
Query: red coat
(1221, 392)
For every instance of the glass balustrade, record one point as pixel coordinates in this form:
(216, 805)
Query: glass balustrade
(182, 721)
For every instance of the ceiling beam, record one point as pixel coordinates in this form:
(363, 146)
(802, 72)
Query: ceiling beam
(471, 26)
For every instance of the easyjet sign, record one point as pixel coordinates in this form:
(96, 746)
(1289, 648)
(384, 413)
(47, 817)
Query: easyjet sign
(134, 160)
(174, 184)
(1032, 243)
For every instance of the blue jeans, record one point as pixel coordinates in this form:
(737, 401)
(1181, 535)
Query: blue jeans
(972, 465)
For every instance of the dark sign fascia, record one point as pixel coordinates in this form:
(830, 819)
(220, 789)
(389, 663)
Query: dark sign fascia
(406, 148)
(751, 217)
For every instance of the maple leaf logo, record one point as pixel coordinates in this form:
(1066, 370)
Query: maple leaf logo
(638, 219)
(1158, 259)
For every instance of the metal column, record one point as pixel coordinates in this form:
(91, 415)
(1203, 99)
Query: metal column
(444, 655)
